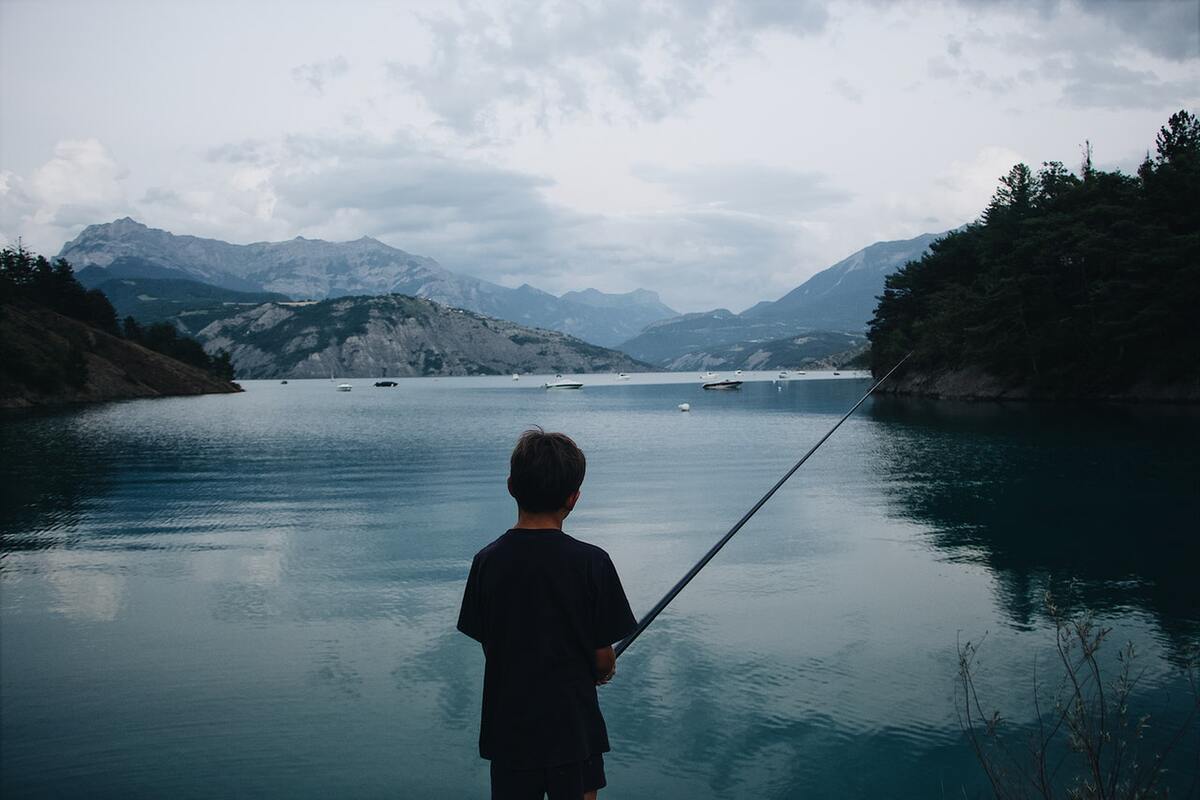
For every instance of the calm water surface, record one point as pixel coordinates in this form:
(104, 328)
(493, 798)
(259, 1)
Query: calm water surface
(256, 594)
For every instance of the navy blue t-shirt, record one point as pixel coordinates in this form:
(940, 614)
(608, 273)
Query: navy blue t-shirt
(542, 603)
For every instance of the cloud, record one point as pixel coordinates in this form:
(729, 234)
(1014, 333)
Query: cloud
(554, 60)
(730, 233)
(317, 74)
(78, 185)
(847, 90)
(752, 188)
(1168, 29)
(1090, 82)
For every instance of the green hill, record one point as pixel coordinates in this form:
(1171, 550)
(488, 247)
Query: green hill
(190, 305)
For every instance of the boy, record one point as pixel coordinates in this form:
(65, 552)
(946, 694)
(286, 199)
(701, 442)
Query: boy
(546, 608)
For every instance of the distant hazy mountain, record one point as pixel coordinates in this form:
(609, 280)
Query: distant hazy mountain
(395, 335)
(839, 299)
(315, 269)
(842, 298)
(824, 348)
(642, 300)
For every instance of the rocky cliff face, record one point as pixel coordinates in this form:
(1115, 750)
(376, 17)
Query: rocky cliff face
(395, 336)
(47, 359)
(315, 269)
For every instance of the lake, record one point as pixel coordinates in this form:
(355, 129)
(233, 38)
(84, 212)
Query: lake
(256, 594)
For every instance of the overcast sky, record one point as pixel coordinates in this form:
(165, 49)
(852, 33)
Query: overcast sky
(719, 153)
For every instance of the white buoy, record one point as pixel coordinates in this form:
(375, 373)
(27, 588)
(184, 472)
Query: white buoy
(685, 406)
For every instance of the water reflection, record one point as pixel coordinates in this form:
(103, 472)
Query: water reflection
(53, 473)
(256, 593)
(1098, 505)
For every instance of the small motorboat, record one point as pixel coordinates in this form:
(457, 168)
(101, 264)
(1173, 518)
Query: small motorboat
(801, 372)
(783, 375)
(710, 375)
(344, 387)
(386, 383)
(837, 373)
(685, 406)
(738, 372)
(283, 381)
(723, 385)
(560, 382)
(621, 376)
(516, 377)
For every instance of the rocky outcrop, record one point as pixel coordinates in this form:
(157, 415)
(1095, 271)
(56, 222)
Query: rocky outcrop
(394, 336)
(47, 359)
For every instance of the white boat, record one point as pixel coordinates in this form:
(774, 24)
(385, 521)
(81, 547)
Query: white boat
(738, 372)
(685, 406)
(723, 385)
(344, 387)
(516, 377)
(783, 374)
(560, 382)
(709, 376)
(801, 372)
(621, 376)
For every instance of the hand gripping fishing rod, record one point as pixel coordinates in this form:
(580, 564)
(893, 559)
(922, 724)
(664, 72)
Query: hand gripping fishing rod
(623, 645)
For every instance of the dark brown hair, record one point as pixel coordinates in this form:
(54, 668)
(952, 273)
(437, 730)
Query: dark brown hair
(545, 470)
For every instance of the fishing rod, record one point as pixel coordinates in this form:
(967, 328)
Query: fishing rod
(623, 645)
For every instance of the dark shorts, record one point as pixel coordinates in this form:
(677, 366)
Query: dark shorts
(568, 782)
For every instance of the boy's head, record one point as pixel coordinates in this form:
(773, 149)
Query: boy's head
(545, 471)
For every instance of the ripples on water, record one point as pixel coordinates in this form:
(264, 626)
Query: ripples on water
(256, 594)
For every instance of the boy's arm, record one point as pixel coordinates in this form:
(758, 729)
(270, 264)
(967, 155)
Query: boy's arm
(606, 665)
(614, 619)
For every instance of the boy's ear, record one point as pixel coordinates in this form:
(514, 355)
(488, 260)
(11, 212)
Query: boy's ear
(571, 501)
(510, 491)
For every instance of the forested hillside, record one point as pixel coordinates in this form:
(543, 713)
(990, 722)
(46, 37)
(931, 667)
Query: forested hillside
(61, 343)
(1069, 285)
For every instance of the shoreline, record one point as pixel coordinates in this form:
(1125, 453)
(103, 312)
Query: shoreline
(974, 385)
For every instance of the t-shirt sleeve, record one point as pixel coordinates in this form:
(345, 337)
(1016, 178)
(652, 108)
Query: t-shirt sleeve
(614, 618)
(470, 616)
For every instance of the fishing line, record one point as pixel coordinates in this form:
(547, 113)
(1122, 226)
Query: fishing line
(623, 645)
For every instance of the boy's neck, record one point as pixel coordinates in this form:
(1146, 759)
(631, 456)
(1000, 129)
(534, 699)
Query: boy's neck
(542, 520)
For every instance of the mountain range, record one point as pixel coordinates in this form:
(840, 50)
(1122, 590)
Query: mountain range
(316, 269)
(840, 299)
(394, 336)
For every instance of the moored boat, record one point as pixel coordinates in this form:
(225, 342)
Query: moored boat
(723, 385)
(560, 382)
(344, 387)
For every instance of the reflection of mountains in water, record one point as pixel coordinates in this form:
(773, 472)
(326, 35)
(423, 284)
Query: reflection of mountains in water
(1098, 505)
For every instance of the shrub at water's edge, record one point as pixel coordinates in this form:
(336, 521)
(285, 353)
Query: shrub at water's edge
(60, 343)
(1067, 286)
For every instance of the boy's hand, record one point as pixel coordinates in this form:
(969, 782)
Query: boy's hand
(606, 665)
(603, 679)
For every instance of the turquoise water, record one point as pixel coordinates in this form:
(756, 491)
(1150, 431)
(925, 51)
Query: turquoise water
(256, 594)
